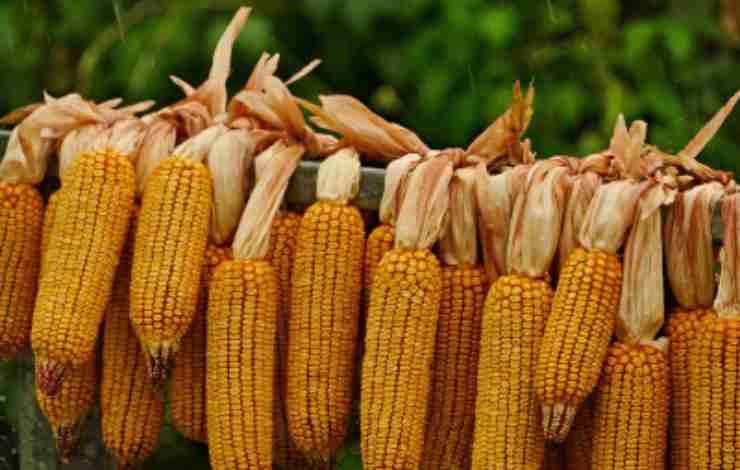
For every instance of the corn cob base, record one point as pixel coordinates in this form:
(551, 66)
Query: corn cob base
(579, 443)
(631, 407)
(577, 337)
(508, 433)
(242, 327)
(21, 220)
(399, 350)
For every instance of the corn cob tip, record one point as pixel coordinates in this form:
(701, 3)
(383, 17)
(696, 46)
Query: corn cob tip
(66, 439)
(49, 376)
(159, 367)
(557, 421)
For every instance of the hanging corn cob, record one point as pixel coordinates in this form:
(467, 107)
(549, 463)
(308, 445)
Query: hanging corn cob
(68, 409)
(67, 316)
(587, 297)
(401, 326)
(449, 437)
(175, 217)
(327, 278)
(631, 402)
(508, 431)
(131, 413)
(242, 328)
(50, 213)
(578, 445)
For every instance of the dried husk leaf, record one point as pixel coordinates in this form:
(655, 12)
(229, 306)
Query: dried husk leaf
(610, 215)
(396, 174)
(688, 245)
(76, 142)
(158, 143)
(421, 218)
(581, 193)
(642, 303)
(339, 177)
(727, 302)
(196, 148)
(459, 242)
(274, 169)
(496, 195)
(702, 138)
(229, 160)
(627, 146)
(537, 219)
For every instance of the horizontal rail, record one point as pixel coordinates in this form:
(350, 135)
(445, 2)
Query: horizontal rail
(302, 187)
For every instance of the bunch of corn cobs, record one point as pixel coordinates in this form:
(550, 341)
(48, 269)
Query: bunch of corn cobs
(506, 313)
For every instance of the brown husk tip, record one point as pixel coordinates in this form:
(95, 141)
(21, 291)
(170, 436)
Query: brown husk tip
(537, 218)
(423, 210)
(459, 242)
(727, 302)
(642, 304)
(49, 376)
(688, 245)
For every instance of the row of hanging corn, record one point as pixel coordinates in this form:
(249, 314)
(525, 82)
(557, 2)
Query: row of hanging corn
(168, 265)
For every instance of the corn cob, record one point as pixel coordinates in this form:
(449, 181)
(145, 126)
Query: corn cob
(243, 309)
(449, 438)
(131, 413)
(280, 255)
(580, 439)
(21, 213)
(584, 308)
(68, 409)
(188, 386)
(324, 315)
(401, 327)
(507, 429)
(67, 317)
(379, 242)
(176, 208)
(50, 213)
(632, 399)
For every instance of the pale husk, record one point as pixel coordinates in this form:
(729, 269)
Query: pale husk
(76, 142)
(158, 144)
(537, 217)
(727, 302)
(458, 245)
(496, 195)
(338, 180)
(396, 174)
(421, 218)
(688, 245)
(275, 167)
(229, 160)
(581, 193)
(642, 304)
(197, 147)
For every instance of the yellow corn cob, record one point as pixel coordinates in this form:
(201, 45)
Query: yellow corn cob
(21, 213)
(281, 253)
(379, 242)
(554, 458)
(171, 239)
(188, 385)
(632, 399)
(682, 328)
(242, 327)
(49, 218)
(91, 225)
(68, 409)
(578, 332)
(325, 298)
(131, 413)
(399, 350)
(449, 438)
(514, 320)
(580, 439)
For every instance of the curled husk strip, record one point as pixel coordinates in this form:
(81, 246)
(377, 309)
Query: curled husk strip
(727, 302)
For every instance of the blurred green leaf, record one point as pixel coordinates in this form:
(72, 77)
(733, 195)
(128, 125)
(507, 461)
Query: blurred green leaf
(498, 25)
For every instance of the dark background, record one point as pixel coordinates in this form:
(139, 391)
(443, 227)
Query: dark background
(445, 69)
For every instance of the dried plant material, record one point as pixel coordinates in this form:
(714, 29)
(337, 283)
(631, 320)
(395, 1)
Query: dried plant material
(610, 216)
(197, 148)
(581, 193)
(496, 195)
(458, 245)
(536, 219)
(688, 245)
(502, 138)
(18, 115)
(396, 174)
(627, 147)
(275, 165)
(642, 303)
(339, 177)
(705, 135)
(727, 302)
(158, 144)
(76, 142)
(423, 210)
(229, 160)
(371, 135)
